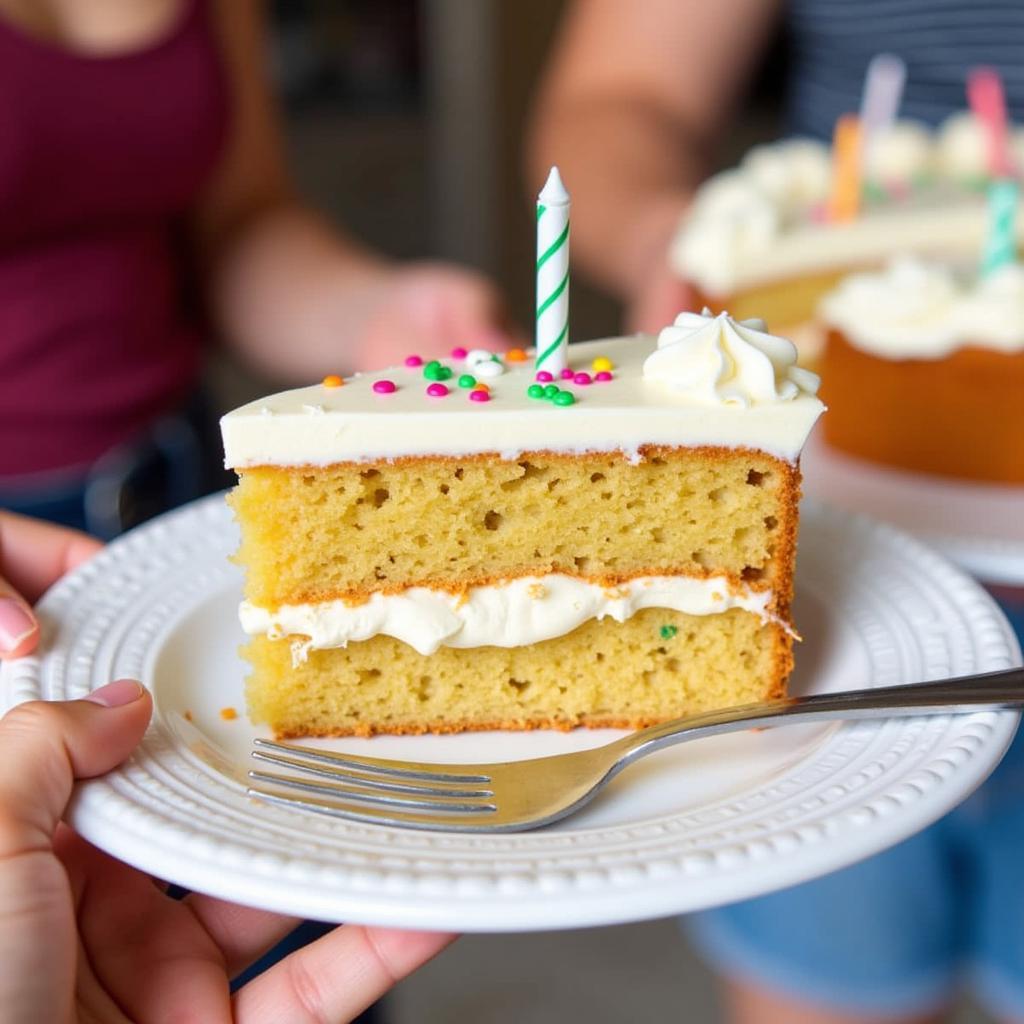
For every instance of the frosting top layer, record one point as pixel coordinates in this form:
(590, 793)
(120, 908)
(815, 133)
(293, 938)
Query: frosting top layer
(321, 425)
(919, 310)
(762, 220)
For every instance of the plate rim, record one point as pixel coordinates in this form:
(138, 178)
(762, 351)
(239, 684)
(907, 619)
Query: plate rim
(92, 814)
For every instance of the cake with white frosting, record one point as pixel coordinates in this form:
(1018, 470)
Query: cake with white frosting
(924, 370)
(611, 548)
(756, 239)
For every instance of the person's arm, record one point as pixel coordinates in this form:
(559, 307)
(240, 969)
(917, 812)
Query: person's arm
(633, 103)
(294, 295)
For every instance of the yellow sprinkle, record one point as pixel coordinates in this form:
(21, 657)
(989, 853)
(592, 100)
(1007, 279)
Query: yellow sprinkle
(332, 380)
(537, 591)
(228, 714)
(602, 363)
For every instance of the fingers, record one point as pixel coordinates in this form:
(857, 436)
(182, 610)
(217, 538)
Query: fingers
(33, 555)
(243, 934)
(45, 746)
(336, 977)
(664, 297)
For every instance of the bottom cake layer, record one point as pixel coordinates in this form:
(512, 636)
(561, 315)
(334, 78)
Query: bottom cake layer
(655, 666)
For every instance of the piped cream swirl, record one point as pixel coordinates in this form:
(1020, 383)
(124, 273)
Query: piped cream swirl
(716, 360)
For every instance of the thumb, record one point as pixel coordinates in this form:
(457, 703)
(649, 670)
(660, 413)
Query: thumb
(19, 631)
(45, 746)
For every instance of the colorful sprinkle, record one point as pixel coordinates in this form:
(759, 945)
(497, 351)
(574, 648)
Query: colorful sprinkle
(551, 390)
(535, 391)
(413, 361)
(481, 386)
(581, 378)
(437, 390)
(667, 632)
(477, 395)
(228, 714)
(332, 380)
(491, 368)
(603, 376)
(602, 363)
(384, 387)
(564, 398)
(478, 355)
(436, 371)
(515, 355)
(467, 380)
(566, 373)
(459, 353)
(543, 376)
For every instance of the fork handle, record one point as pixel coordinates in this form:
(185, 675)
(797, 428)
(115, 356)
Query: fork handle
(991, 691)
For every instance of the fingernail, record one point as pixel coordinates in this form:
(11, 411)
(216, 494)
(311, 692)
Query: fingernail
(116, 694)
(15, 623)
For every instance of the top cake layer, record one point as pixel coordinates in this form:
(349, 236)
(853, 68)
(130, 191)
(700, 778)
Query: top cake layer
(705, 381)
(763, 220)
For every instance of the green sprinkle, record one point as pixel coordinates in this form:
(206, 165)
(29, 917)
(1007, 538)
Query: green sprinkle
(551, 390)
(535, 391)
(466, 381)
(564, 398)
(435, 371)
(444, 372)
(430, 367)
(667, 632)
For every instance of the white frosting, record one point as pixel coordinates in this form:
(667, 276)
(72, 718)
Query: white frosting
(634, 409)
(715, 360)
(761, 221)
(918, 310)
(513, 613)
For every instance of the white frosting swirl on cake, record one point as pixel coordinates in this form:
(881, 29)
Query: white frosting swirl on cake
(919, 310)
(716, 360)
(763, 220)
(513, 613)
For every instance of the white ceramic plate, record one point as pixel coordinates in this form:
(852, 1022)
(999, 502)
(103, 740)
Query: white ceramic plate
(687, 828)
(980, 527)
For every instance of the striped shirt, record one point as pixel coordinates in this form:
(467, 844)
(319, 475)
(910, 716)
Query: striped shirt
(832, 42)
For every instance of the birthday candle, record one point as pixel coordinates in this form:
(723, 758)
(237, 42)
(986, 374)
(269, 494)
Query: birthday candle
(883, 90)
(552, 275)
(1001, 240)
(844, 200)
(985, 94)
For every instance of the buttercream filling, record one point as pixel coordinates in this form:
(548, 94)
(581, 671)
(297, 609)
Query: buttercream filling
(512, 613)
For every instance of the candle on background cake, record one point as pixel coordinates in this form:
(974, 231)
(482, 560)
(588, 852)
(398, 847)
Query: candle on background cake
(844, 199)
(985, 95)
(552, 275)
(880, 100)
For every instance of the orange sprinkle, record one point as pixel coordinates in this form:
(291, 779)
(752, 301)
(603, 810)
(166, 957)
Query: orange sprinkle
(515, 355)
(481, 386)
(188, 716)
(228, 714)
(332, 380)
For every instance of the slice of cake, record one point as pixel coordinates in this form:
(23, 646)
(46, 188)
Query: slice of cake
(463, 546)
(756, 239)
(924, 370)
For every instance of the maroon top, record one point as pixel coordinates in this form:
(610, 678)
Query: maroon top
(99, 159)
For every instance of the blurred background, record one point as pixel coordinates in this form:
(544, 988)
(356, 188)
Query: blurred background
(404, 122)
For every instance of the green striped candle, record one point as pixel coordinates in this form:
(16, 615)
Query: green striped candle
(1001, 241)
(552, 331)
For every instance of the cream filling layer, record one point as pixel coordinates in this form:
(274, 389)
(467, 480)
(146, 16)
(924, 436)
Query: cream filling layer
(513, 613)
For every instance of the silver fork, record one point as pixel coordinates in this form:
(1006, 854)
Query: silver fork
(513, 796)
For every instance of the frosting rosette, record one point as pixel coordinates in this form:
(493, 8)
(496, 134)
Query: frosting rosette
(715, 360)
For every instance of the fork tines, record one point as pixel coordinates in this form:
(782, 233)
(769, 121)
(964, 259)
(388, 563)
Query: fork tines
(368, 789)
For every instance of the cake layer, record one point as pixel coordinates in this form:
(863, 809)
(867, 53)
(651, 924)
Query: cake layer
(960, 416)
(655, 666)
(348, 531)
(511, 613)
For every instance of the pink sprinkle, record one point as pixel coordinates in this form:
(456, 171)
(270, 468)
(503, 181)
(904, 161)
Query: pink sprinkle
(566, 373)
(384, 387)
(581, 378)
(459, 353)
(437, 390)
(544, 377)
(603, 376)
(479, 396)
(413, 361)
